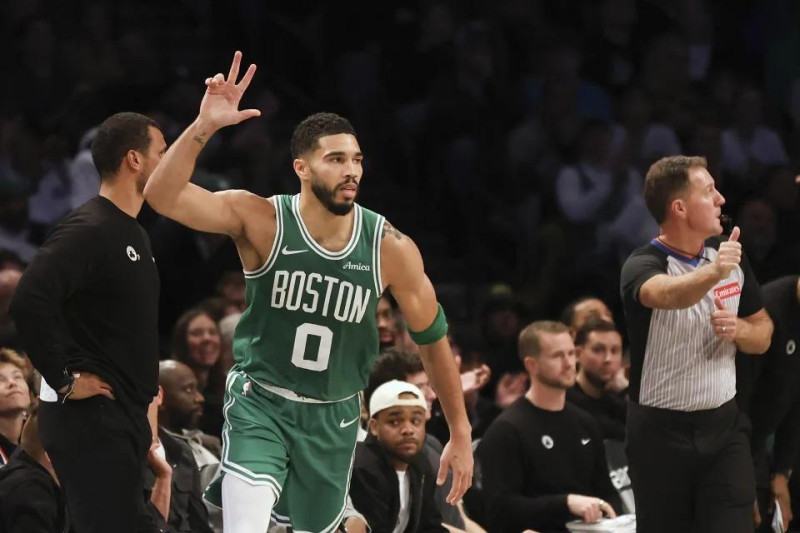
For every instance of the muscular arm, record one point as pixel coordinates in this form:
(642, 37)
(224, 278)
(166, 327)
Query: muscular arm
(405, 277)
(168, 190)
(754, 333)
(171, 194)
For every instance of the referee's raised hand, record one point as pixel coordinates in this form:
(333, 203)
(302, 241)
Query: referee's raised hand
(729, 254)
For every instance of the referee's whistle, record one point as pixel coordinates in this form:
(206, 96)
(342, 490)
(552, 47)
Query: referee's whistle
(727, 223)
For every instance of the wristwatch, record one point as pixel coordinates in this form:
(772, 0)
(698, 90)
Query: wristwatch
(63, 396)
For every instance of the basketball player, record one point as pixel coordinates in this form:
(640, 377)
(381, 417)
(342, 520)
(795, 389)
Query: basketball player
(316, 264)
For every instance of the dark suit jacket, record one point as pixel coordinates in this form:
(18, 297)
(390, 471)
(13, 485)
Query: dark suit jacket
(375, 491)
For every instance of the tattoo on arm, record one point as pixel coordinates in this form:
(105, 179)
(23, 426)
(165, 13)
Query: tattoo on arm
(388, 229)
(200, 139)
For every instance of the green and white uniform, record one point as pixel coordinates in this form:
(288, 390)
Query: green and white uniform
(303, 350)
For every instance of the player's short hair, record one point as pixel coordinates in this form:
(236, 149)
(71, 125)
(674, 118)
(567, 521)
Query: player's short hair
(393, 363)
(116, 136)
(306, 135)
(666, 178)
(530, 341)
(590, 326)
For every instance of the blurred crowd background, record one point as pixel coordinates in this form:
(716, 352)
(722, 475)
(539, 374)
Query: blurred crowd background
(509, 138)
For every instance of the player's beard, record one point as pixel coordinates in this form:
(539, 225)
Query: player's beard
(327, 197)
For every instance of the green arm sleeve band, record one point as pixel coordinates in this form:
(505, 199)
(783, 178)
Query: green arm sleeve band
(435, 331)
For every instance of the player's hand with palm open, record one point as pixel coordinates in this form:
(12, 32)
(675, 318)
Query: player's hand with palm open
(220, 105)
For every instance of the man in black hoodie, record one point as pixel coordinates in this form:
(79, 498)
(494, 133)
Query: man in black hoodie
(392, 483)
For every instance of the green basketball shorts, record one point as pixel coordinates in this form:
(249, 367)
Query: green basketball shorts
(301, 448)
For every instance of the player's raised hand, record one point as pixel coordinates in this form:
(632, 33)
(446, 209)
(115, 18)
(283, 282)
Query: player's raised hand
(729, 254)
(220, 105)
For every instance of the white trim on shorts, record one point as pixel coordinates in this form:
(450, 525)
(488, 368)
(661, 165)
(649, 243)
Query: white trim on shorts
(228, 466)
(293, 396)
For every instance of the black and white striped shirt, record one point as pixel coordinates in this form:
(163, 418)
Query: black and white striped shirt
(677, 362)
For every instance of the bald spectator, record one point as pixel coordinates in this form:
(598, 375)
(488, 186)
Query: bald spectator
(180, 413)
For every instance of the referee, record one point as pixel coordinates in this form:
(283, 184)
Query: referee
(691, 301)
(86, 311)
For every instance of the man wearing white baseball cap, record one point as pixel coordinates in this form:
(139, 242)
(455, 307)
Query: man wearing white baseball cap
(392, 483)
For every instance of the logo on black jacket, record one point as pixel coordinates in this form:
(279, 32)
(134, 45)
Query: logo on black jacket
(132, 255)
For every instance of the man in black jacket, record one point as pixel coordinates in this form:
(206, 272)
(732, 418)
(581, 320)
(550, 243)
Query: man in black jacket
(392, 483)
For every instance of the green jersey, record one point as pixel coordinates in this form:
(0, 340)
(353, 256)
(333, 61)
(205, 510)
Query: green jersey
(310, 322)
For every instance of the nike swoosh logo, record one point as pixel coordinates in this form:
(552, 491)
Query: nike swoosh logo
(287, 251)
(585, 441)
(344, 424)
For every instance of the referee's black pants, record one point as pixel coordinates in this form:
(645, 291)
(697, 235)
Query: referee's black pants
(691, 471)
(98, 448)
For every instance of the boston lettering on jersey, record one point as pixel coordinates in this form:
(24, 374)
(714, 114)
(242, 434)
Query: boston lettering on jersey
(316, 293)
(310, 322)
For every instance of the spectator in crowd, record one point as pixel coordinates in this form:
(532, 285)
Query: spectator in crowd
(387, 322)
(691, 300)
(232, 289)
(769, 257)
(186, 512)
(500, 321)
(583, 309)
(15, 400)
(30, 495)
(9, 279)
(227, 326)
(543, 459)
(766, 389)
(598, 389)
(196, 343)
(179, 413)
(400, 365)
(393, 483)
(748, 145)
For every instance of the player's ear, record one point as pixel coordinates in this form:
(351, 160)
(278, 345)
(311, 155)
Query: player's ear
(301, 169)
(373, 427)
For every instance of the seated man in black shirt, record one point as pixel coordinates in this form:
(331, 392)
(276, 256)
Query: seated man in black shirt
(543, 459)
(599, 353)
(392, 483)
